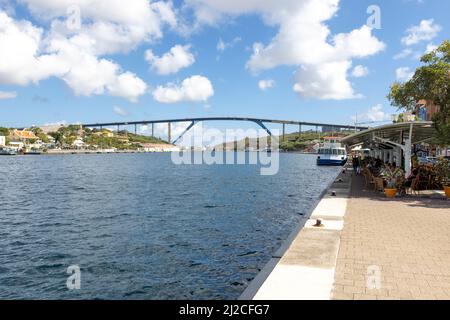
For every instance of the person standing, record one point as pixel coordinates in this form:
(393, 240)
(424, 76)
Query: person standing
(355, 164)
(358, 165)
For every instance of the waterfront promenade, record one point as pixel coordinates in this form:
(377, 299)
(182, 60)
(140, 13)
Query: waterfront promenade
(369, 247)
(408, 239)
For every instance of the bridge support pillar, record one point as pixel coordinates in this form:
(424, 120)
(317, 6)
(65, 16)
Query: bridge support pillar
(169, 133)
(184, 132)
(284, 131)
(153, 130)
(299, 130)
(118, 128)
(135, 129)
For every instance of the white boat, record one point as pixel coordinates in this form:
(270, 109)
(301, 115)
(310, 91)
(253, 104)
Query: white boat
(332, 154)
(5, 151)
(32, 151)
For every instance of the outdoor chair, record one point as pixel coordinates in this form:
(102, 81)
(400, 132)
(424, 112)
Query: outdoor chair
(415, 186)
(369, 178)
(379, 184)
(400, 185)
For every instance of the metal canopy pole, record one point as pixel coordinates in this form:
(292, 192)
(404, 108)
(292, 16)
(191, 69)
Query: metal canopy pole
(407, 151)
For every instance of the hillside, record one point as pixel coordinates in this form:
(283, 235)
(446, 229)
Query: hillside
(303, 142)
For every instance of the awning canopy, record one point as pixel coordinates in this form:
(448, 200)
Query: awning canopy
(392, 134)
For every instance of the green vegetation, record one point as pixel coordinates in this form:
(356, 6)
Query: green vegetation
(134, 138)
(303, 142)
(40, 134)
(122, 141)
(93, 138)
(4, 131)
(430, 82)
(96, 138)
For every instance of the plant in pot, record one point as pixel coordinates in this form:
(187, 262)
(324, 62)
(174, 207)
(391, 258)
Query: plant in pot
(391, 190)
(443, 169)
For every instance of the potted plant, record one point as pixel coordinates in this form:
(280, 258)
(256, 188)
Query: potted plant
(391, 190)
(443, 169)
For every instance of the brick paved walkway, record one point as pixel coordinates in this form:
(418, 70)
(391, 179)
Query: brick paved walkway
(407, 239)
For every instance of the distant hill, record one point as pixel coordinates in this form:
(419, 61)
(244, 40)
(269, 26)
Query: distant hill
(303, 142)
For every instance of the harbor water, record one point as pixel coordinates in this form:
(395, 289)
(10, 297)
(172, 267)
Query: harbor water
(141, 227)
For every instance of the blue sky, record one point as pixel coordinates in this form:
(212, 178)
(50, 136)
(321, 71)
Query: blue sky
(217, 70)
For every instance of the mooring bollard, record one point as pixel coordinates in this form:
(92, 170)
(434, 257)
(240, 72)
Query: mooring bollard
(318, 223)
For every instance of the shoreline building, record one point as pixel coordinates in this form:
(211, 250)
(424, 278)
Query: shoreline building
(23, 135)
(425, 110)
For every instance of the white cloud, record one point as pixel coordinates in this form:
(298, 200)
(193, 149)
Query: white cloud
(430, 47)
(375, 113)
(404, 54)
(88, 75)
(303, 40)
(19, 43)
(360, 71)
(31, 54)
(427, 30)
(222, 46)
(113, 25)
(171, 62)
(127, 85)
(325, 81)
(7, 95)
(194, 89)
(266, 84)
(404, 74)
(121, 112)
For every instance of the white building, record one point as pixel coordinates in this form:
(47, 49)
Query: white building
(151, 147)
(16, 145)
(78, 143)
(2, 141)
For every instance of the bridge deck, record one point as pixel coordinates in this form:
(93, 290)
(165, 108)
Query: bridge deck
(289, 122)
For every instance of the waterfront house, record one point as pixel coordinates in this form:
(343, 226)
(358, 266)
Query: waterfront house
(78, 143)
(23, 135)
(16, 145)
(2, 141)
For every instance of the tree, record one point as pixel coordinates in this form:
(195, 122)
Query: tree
(4, 132)
(38, 132)
(430, 82)
(58, 136)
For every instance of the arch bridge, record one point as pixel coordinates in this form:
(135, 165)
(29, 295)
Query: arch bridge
(193, 121)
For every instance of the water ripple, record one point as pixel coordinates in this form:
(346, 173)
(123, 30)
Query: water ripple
(141, 227)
